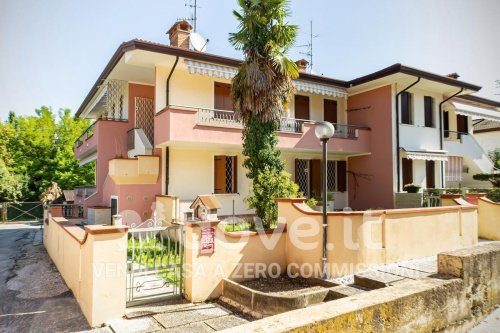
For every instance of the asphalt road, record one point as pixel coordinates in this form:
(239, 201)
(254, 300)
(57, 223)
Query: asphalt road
(33, 296)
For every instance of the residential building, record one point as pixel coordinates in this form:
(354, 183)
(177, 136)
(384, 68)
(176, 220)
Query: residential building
(164, 125)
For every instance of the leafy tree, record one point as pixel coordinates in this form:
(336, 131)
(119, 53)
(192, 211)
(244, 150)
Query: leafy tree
(39, 149)
(12, 186)
(260, 91)
(495, 157)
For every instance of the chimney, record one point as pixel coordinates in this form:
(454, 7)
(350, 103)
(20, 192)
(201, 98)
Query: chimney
(302, 65)
(453, 76)
(179, 34)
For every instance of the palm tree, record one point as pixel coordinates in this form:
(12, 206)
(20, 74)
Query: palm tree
(260, 93)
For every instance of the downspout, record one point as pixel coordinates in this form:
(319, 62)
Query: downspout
(398, 154)
(441, 134)
(168, 81)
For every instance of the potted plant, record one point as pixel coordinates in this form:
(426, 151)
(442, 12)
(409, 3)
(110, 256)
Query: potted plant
(412, 188)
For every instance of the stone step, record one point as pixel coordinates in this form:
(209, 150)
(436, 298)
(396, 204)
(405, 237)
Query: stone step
(155, 308)
(376, 279)
(341, 292)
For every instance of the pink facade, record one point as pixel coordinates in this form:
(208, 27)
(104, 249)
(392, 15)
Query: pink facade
(109, 140)
(175, 125)
(370, 177)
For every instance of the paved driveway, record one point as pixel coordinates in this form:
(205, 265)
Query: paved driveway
(33, 296)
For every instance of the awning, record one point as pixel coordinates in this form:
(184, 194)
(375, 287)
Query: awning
(426, 155)
(320, 89)
(203, 68)
(476, 112)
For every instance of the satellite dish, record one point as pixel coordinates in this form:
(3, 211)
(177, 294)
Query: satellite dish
(198, 42)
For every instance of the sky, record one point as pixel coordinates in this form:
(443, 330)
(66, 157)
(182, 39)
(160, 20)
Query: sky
(52, 51)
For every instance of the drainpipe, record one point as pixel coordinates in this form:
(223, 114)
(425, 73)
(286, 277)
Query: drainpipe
(398, 154)
(441, 129)
(168, 81)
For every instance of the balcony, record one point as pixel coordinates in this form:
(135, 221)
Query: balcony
(102, 132)
(454, 136)
(139, 170)
(220, 118)
(199, 125)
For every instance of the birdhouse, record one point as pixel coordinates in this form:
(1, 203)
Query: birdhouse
(205, 208)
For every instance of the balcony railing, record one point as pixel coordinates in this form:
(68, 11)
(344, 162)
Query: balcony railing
(85, 191)
(453, 135)
(85, 136)
(223, 118)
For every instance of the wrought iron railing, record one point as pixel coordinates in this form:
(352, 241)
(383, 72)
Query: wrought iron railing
(85, 135)
(84, 191)
(227, 119)
(453, 135)
(67, 210)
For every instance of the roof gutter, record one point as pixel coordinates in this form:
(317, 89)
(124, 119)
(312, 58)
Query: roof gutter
(168, 81)
(398, 153)
(441, 134)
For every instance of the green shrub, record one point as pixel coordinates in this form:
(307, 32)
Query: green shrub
(312, 202)
(412, 188)
(268, 185)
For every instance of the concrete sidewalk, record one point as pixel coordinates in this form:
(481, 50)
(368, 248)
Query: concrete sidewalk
(34, 298)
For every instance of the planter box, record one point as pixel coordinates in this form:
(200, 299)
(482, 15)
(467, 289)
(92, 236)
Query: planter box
(408, 200)
(472, 198)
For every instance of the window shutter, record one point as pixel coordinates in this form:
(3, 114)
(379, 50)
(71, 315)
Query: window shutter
(429, 121)
(446, 124)
(341, 176)
(219, 174)
(235, 174)
(430, 174)
(407, 171)
(405, 108)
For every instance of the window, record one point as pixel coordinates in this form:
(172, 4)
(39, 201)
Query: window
(330, 110)
(407, 171)
(446, 124)
(308, 176)
(429, 112)
(222, 96)
(301, 107)
(430, 174)
(454, 167)
(225, 175)
(406, 110)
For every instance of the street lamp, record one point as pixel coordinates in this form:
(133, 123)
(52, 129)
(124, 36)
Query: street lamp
(324, 131)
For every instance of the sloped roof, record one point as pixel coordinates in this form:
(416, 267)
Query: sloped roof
(209, 201)
(484, 125)
(69, 195)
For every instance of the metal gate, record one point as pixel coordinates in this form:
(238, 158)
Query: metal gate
(21, 211)
(155, 263)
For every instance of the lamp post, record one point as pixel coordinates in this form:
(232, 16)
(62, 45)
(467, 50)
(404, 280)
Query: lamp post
(324, 131)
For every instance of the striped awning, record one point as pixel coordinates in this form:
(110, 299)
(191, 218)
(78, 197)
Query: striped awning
(426, 155)
(203, 68)
(476, 112)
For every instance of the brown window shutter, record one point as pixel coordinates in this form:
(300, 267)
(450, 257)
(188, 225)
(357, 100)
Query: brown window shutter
(341, 176)
(235, 175)
(430, 174)
(405, 108)
(407, 171)
(429, 121)
(219, 174)
(302, 107)
(446, 124)
(330, 110)
(222, 96)
(315, 178)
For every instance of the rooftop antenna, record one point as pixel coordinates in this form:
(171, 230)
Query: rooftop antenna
(193, 4)
(309, 46)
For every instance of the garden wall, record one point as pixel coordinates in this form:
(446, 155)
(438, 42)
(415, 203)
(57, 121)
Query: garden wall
(92, 262)
(237, 256)
(359, 239)
(488, 219)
